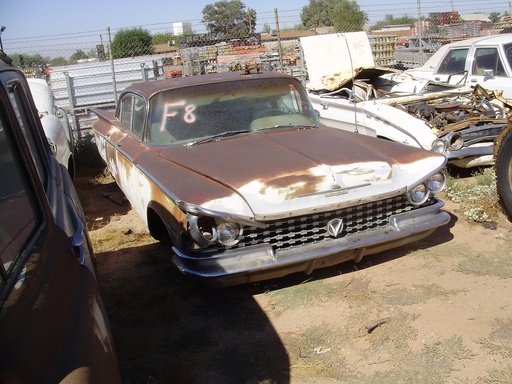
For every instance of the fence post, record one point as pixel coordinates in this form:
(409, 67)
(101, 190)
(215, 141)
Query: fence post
(143, 72)
(112, 65)
(71, 100)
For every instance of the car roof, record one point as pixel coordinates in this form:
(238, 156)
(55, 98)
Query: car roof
(483, 40)
(149, 88)
(435, 59)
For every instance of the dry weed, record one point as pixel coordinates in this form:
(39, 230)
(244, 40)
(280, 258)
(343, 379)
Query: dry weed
(499, 341)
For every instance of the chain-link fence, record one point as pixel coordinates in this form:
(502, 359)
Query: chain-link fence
(89, 70)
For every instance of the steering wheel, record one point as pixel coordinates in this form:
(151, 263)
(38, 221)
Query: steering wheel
(509, 53)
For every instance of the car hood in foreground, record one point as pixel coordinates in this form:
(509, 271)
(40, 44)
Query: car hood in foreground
(265, 174)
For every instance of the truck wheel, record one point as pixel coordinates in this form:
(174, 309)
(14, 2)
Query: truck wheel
(504, 173)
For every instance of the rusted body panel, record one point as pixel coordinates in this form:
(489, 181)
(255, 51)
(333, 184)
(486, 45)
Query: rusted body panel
(254, 176)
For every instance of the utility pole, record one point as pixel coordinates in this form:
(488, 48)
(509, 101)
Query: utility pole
(279, 41)
(314, 15)
(420, 29)
(249, 19)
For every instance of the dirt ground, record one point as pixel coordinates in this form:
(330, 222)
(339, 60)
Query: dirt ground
(436, 311)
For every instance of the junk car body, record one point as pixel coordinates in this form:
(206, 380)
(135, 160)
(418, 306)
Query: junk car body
(350, 92)
(53, 324)
(55, 123)
(484, 60)
(237, 171)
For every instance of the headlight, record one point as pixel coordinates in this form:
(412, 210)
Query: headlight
(206, 232)
(202, 230)
(439, 146)
(418, 195)
(437, 182)
(455, 141)
(228, 233)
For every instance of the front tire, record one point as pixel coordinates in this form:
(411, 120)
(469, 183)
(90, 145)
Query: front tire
(504, 173)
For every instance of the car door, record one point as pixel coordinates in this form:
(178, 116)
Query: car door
(490, 70)
(128, 146)
(452, 67)
(53, 325)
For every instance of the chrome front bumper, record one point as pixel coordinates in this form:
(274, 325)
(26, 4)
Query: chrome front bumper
(256, 263)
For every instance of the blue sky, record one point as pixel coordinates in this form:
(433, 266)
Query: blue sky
(31, 18)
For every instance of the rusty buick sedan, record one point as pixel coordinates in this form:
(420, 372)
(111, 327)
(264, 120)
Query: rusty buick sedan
(237, 172)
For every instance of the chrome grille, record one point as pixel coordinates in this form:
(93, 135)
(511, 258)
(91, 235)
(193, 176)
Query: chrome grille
(308, 229)
(484, 133)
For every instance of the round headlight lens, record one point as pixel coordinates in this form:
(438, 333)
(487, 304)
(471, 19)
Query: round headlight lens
(456, 141)
(418, 195)
(202, 229)
(228, 233)
(439, 146)
(436, 183)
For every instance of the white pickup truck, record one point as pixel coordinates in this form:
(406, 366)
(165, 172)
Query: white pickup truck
(481, 60)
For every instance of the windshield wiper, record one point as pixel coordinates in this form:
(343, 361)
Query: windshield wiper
(217, 136)
(299, 126)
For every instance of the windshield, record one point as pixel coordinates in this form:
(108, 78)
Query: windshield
(192, 113)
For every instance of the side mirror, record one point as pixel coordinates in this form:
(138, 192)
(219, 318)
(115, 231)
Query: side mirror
(488, 73)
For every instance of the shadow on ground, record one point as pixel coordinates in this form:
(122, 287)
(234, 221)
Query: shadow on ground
(168, 329)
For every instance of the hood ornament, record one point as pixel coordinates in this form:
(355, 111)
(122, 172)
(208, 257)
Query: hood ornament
(334, 227)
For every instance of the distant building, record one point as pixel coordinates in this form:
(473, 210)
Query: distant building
(181, 28)
(401, 30)
(475, 17)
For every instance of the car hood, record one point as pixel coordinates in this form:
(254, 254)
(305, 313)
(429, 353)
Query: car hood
(266, 174)
(342, 54)
(334, 60)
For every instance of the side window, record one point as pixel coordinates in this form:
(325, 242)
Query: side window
(454, 61)
(133, 114)
(19, 213)
(139, 115)
(126, 111)
(19, 102)
(508, 54)
(488, 59)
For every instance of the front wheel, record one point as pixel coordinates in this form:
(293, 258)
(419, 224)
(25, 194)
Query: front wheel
(504, 173)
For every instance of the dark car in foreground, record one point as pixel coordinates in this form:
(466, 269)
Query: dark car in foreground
(53, 325)
(238, 173)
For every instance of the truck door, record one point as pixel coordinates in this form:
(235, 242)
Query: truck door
(452, 67)
(488, 70)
